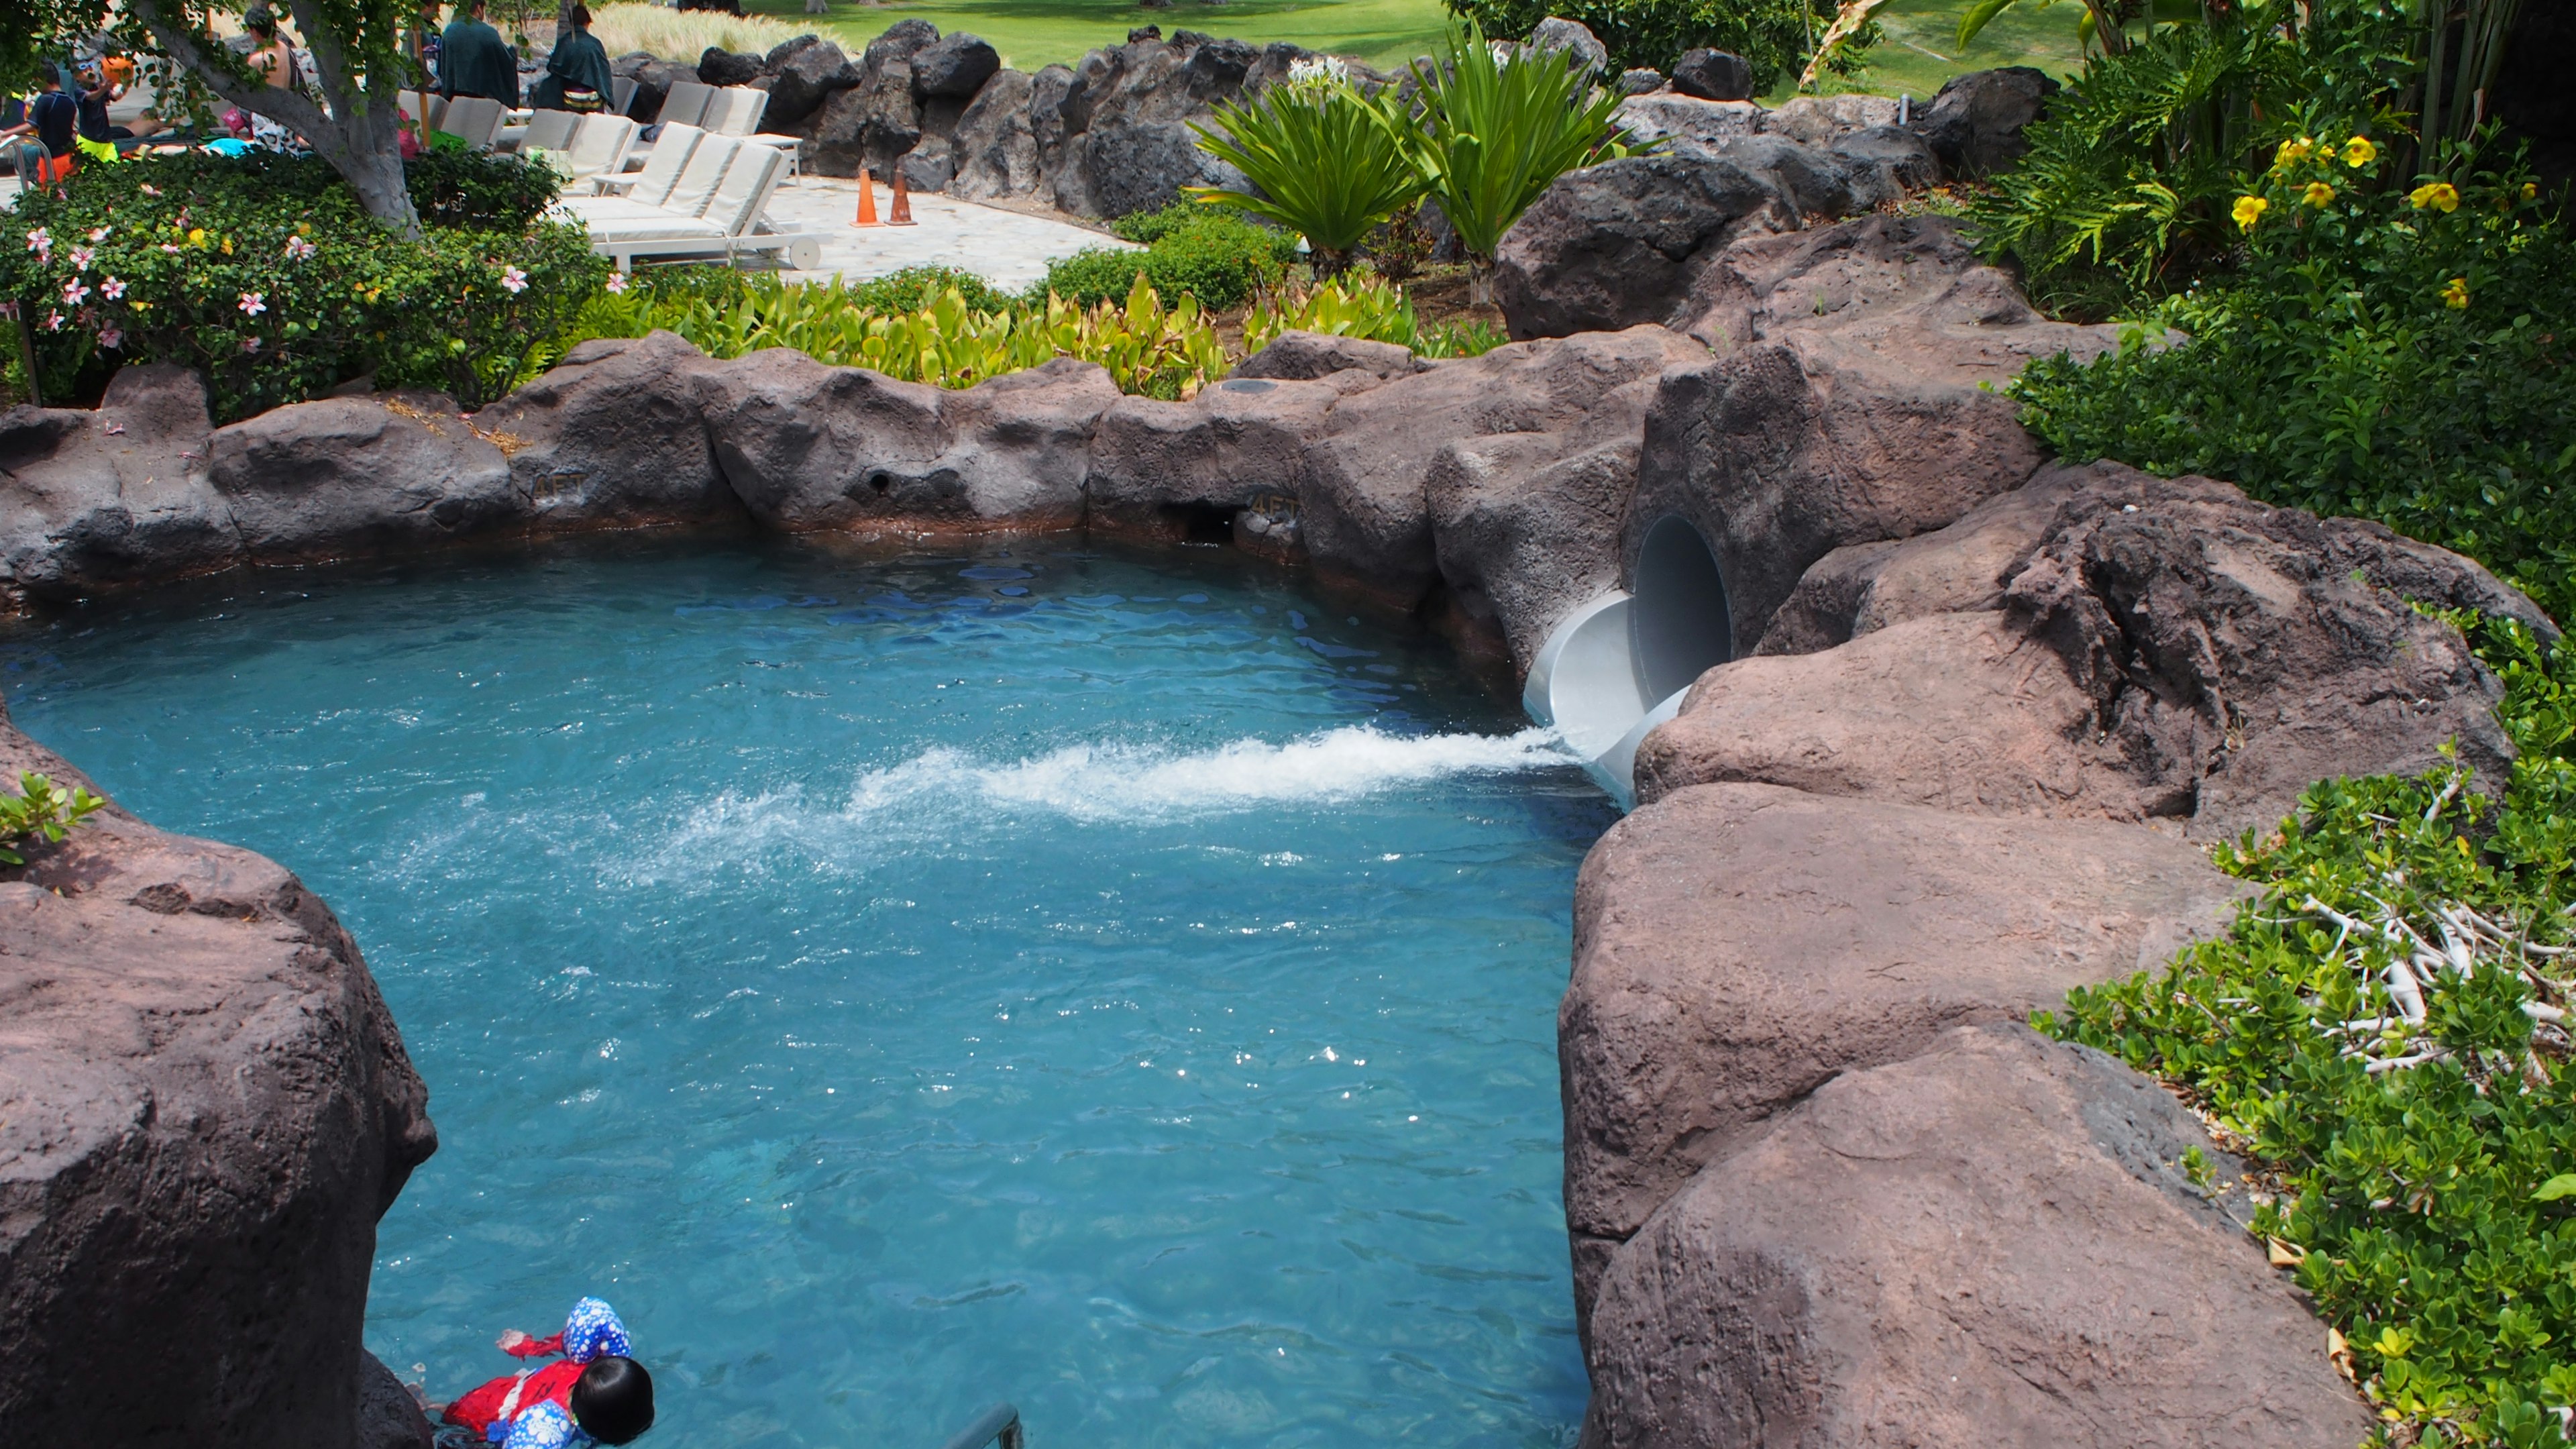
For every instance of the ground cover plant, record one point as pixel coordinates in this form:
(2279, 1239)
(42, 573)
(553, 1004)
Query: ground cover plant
(1358, 305)
(2385, 1029)
(267, 275)
(41, 810)
(1212, 253)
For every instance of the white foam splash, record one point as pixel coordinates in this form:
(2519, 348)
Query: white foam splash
(1118, 782)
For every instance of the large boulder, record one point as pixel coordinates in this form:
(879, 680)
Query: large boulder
(1629, 241)
(1311, 356)
(809, 447)
(612, 437)
(1558, 34)
(1975, 122)
(1713, 75)
(351, 475)
(204, 1108)
(1231, 460)
(993, 152)
(720, 67)
(803, 73)
(954, 66)
(867, 125)
(389, 1416)
(1993, 1245)
(653, 79)
(1857, 398)
(1736, 946)
(119, 495)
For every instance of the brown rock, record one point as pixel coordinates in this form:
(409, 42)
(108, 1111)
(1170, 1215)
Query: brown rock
(91, 499)
(613, 437)
(1232, 457)
(807, 446)
(358, 474)
(1955, 711)
(1988, 1246)
(204, 1107)
(1308, 356)
(1735, 946)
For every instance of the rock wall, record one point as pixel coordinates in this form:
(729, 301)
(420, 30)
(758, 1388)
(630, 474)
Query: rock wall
(204, 1108)
(1820, 1189)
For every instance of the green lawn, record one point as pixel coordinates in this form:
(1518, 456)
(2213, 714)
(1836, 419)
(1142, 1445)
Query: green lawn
(1920, 52)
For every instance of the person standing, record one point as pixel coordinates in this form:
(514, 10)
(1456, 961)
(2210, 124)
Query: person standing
(577, 74)
(473, 59)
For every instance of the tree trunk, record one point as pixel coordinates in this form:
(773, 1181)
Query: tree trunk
(1480, 281)
(377, 176)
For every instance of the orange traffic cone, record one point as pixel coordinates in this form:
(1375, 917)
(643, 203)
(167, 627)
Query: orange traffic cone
(867, 200)
(900, 214)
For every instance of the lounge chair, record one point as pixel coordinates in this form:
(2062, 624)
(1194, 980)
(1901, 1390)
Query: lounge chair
(598, 145)
(544, 131)
(713, 209)
(743, 107)
(621, 94)
(687, 102)
(475, 120)
(662, 164)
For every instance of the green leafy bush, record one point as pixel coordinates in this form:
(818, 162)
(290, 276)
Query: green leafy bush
(1148, 348)
(2397, 356)
(265, 274)
(1216, 256)
(478, 190)
(2126, 192)
(41, 809)
(1495, 133)
(1366, 307)
(1771, 35)
(1324, 160)
(2385, 1028)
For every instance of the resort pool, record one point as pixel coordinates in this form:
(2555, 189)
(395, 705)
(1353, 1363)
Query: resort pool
(1113, 983)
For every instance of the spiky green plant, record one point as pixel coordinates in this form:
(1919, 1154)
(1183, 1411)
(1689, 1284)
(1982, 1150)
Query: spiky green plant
(1498, 125)
(1325, 161)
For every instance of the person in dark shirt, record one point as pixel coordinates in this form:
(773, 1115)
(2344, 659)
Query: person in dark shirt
(577, 74)
(44, 138)
(473, 59)
(96, 92)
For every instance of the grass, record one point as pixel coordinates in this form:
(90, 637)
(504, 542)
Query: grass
(1921, 51)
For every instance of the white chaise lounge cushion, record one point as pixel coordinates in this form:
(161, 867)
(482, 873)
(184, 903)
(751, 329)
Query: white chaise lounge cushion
(687, 103)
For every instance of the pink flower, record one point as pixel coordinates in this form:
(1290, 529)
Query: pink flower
(113, 289)
(81, 258)
(616, 282)
(171, 247)
(250, 344)
(149, 190)
(74, 293)
(41, 242)
(297, 248)
(99, 233)
(53, 321)
(111, 339)
(513, 280)
(253, 303)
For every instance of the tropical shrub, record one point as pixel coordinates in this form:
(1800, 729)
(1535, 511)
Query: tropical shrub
(1216, 256)
(1325, 161)
(40, 809)
(1773, 36)
(1149, 349)
(2394, 355)
(266, 275)
(2125, 194)
(1498, 126)
(474, 190)
(2386, 1031)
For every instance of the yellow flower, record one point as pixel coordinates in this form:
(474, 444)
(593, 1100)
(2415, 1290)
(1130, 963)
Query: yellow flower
(2435, 196)
(196, 236)
(2359, 152)
(2292, 153)
(228, 246)
(2530, 189)
(2456, 295)
(2317, 194)
(2249, 210)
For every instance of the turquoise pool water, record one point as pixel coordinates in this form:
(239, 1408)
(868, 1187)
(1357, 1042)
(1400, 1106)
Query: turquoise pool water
(1118, 985)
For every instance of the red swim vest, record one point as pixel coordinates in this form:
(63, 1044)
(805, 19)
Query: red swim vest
(504, 1399)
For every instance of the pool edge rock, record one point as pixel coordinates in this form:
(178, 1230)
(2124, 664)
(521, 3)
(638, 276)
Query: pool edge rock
(204, 1109)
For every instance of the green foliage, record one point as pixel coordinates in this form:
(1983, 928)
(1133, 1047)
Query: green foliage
(40, 809)
(2126, 192)
(1771, 35)
(2373, 357)
(1211, 253)
(1148, 348)
(1496, 132)
(1325, 161)
(2385, 1028)
(472, 190)
(1366, 307)
(267, 276)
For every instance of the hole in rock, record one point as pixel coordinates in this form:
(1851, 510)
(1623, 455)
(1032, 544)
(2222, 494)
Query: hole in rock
(1678, 628)
(1200, 522)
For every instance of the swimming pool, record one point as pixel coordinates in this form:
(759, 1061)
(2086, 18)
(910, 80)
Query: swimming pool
(1114, 983)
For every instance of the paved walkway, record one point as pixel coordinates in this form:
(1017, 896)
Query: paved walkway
(1009, 249)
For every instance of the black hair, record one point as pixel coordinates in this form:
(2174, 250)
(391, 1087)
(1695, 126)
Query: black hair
(581, 17)
(260, 20)
(612, 1401)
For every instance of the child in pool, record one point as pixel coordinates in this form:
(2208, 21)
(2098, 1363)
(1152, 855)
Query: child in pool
(596, 1393)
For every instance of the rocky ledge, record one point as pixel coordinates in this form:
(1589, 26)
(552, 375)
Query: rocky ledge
(204, 1108)
(1978, 712)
